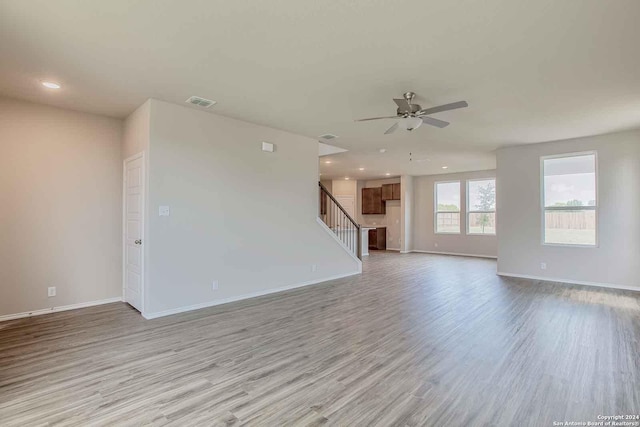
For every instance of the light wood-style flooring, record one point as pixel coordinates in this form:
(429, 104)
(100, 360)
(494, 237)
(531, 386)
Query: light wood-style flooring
(415, 340)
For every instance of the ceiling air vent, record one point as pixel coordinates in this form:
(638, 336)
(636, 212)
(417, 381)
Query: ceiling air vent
(328, 136)
(200, 102)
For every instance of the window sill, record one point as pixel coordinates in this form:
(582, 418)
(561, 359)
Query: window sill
(571, 245)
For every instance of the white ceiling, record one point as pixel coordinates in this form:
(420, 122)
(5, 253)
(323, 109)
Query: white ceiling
(327, 149)
(531, 70)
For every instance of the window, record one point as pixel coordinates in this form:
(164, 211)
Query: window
(447, 207)
(481, 206)
(569, 200)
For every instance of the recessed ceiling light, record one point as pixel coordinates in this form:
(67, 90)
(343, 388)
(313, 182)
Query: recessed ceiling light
(360, 169)
(387, 174)
(51, 85)
(383, 150)
(346, 178)
(445, 167)
(328, 162)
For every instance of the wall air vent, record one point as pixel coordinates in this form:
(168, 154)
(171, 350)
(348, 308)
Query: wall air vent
(328, 136)
(200, 102)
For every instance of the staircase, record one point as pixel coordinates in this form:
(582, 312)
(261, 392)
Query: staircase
(345, 228)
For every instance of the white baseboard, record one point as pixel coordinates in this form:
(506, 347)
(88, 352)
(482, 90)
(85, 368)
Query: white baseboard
(394, 249)
(150, 316)
(454, 254)
(570, 282)
(59, 308)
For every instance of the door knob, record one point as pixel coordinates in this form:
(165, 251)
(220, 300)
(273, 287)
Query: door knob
(138, 242)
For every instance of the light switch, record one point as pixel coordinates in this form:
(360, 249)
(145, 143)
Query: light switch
(163, 211)
(268, 147)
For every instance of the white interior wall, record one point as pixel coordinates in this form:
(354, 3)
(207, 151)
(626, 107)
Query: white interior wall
(61, 197)
(406, 212)
(520, 250)
(328, 184)
(424, 236)
(136, 136)
(241, 216)
(48, 241)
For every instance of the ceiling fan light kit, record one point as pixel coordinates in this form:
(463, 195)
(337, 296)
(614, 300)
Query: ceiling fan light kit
(410, 123)
(412, 116)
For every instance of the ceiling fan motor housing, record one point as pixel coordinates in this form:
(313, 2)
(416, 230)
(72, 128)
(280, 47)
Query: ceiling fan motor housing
(413, 109)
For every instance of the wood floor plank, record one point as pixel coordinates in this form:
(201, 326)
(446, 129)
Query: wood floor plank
(415, 340)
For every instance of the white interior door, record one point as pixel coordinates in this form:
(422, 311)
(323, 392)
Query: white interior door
(348, 203)
(134, 177)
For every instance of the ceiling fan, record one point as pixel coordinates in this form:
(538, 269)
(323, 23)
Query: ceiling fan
(412, 115)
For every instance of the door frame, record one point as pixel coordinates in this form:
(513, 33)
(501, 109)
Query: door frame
(140, 155)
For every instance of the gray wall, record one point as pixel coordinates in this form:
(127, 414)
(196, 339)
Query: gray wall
(61, 198)
(424, 236)
(241, 216)
(615, 260)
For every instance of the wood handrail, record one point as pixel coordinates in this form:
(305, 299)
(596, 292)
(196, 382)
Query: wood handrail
(324, 190)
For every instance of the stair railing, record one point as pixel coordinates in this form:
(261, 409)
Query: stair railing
(340, 222)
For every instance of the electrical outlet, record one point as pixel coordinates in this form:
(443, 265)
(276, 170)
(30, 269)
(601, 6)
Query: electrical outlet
(51, 291)
(543, 266)
(313, 267)
(214, 285)
(435, 245)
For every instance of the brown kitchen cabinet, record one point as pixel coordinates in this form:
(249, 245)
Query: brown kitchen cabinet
(378, 238)
(396, 191)
(387, 192)
(372, 202)
(391, 192)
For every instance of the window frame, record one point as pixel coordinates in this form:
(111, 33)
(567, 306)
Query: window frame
(595, 208)
(435, 207)
(469, 211)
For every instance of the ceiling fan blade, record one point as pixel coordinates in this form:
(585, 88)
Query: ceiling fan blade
(435, 122)
(376, 118)
(403, 105)
(445, 107)
(392, 129)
